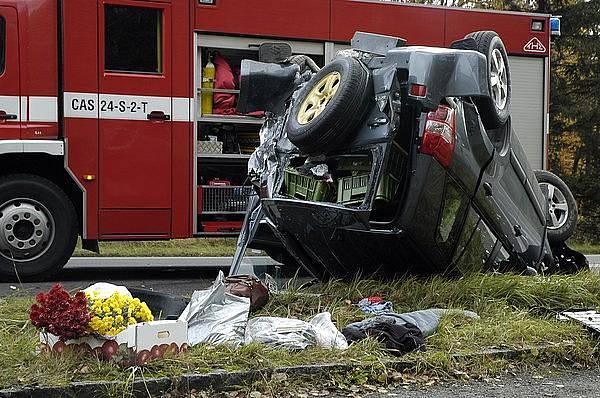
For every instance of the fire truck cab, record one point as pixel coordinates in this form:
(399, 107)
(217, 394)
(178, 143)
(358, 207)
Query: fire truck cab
(102, 131)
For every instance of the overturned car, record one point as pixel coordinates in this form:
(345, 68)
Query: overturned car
(395, 159)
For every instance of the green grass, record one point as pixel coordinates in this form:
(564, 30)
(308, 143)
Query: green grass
(586, 247)
(205, 247)
(515, 312)
(192, 247)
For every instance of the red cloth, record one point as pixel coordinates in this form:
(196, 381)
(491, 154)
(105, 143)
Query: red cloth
(225, 78)
(223, 103)
(374, 299)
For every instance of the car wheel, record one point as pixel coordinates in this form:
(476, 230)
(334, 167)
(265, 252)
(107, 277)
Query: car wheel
(38, 227)
(562, 208)
(330, 106)
(493, 110)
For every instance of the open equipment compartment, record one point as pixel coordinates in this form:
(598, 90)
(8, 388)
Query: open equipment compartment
(223, 143)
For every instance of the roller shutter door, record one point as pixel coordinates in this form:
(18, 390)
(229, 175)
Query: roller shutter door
(528, 106)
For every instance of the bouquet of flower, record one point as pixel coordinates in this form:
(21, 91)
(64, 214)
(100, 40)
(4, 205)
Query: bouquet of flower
(110, 316)
(61, 314)
(72, 317)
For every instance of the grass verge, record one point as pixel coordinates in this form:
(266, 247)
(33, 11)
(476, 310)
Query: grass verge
(206, 247)
(515, 312)
(192, 247)
(586, 247)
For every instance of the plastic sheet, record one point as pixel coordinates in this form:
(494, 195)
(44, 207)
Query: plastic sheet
(294, 333)
(104, 290)
(215, 316)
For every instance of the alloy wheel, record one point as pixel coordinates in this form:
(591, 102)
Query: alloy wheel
(498, 79)
(557, 206)
(318, 98)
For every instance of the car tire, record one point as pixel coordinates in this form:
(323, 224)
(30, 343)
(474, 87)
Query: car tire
(562, 208)
(329, 107)
(495, 109)
(38, 227)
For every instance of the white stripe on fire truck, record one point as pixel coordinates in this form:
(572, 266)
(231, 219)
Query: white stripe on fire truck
(94, 106)
(41, 109)
(124, 107)
(10, 104)
(24, 107)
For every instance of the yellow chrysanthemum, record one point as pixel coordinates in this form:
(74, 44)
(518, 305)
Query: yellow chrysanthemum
(111, 315)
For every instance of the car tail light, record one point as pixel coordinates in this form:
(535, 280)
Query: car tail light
(418, 90)
(439, 135)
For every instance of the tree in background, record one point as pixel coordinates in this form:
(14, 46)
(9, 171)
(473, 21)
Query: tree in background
(575, 98)
(574, 111)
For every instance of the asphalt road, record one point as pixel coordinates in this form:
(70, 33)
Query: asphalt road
(567, 384)
(175, 275)
(594, 259)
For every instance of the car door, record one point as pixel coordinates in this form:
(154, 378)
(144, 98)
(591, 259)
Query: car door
(134, 120)
(504, 199)
(11, 113)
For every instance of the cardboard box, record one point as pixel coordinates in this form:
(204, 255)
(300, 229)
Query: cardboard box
(138, 344)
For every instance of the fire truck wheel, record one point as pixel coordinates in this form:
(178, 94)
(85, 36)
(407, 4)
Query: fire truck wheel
(493, 110)
(330, 106)
(562, 208)
(38, 227)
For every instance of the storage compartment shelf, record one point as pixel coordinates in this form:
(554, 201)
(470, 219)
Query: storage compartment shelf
(231, 156)
(218, 90)
(239, 119)
(221, 209)
(223, 234)
(227, 199)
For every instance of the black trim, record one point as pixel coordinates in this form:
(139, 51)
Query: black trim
(60, 65)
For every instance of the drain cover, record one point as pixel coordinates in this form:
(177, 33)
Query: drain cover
(590, 319)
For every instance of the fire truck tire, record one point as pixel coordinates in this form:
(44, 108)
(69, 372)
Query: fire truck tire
(38, 227)
(562, 207)
(495, 109)
(330, 106)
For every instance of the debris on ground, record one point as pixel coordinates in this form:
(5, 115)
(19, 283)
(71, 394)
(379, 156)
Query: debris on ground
(248, 286)
(400, 333)
(294, 333)
(215, 316)
(375, 305)
(590, 319)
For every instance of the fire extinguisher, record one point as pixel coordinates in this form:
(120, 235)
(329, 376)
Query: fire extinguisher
(208, 82)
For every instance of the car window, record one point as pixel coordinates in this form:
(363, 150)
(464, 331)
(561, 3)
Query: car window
(133, 39)
(2, 44)
(451, 217)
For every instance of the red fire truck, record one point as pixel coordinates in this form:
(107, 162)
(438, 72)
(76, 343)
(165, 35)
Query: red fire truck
(102, 134)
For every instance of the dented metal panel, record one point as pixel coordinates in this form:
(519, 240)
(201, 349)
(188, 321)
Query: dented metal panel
(481, 211)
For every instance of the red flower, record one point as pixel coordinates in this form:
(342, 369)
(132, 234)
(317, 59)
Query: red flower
(60, 314)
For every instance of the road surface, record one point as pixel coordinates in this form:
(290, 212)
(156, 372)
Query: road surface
(174, 275)
(572, 384)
